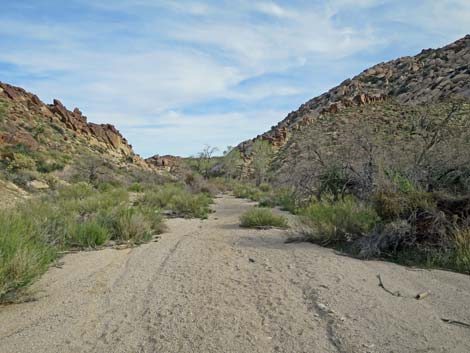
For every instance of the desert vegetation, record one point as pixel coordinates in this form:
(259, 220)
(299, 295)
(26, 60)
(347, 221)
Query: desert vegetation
(85, 216)
(260, 217)
(385, 180)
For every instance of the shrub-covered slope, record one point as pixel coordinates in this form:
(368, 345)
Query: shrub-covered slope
(432, 75)
(39, 140)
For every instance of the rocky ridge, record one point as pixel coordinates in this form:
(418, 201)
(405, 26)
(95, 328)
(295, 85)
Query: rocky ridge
(26, 112)
(166, 162)
(432, 75)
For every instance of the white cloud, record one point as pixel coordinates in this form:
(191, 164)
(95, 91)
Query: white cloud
(272, 9)
(142, 61)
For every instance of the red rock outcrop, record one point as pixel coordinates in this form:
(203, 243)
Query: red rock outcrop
(24, 102)
(167, 162)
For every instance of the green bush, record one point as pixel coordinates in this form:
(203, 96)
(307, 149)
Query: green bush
(136, 187)
(337, 222)
(177, 199)
(23, 253)
(190, 206)
(262, 217)
(267, 201)
(285, 198)
(21, 161)
(130, 224)
(247, 191)
(393, 205)
(461, 240)
(89, 234)
(155, 218)
(265, 187)
(76, 191)
(74, 216)
(49, 167)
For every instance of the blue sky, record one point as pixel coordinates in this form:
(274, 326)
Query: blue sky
(175, 75)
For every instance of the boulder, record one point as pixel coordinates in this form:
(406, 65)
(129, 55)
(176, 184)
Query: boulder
(38, 185)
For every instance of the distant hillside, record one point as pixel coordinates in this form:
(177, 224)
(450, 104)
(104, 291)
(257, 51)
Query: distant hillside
(42, 142)
(433, 75)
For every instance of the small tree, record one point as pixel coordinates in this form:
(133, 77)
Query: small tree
(262, 154)
(232, 162)
(204, 160)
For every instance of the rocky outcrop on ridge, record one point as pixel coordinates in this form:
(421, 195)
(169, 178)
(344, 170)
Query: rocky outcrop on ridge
(27, 105)
(432, 75)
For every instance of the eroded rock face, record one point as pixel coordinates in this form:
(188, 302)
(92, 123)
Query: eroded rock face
(166, 162)
(25, 105)
(432, 75)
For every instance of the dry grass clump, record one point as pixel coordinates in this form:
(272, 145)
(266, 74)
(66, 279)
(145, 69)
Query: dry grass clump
(262, 218)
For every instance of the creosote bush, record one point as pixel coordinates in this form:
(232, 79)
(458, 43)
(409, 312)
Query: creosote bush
(262, 217)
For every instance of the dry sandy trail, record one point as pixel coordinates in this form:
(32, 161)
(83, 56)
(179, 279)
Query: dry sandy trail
(209, 286)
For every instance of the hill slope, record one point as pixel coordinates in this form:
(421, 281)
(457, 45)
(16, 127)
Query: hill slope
(432, 75)
(39, 140)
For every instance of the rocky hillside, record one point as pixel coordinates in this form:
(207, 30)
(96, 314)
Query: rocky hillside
(430, 76)
(167, 162)
(38, 140)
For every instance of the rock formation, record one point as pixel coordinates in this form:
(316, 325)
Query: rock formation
(167, 162)
(432, 75)
(27, 116)
(73, 120)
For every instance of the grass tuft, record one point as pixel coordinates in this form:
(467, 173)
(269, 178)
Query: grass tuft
(262, 217)
(336, 222)
(462, 249)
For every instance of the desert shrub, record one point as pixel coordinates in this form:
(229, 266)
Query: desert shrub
(285, 198)
(262, 217)
(3, 110)
(197, 184)
(265, 187)
(220, 184)
(108, 185)
(247, 191)
(20, 161)
(22, 177)
(77, 216)
(176, 198)
(384, 240)
(190, 206)
(392, 205)
(461, 239)
(52, 181)
(336, 222)
(23, 253)
(88, 234)
(49, 167)
(455, 180)
(129, 224)
(161, 197)
(136, 187)
(155, 218)
(334, 181)
(75, 191)
(267, 201)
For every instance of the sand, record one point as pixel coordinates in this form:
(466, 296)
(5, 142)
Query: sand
(210, 286)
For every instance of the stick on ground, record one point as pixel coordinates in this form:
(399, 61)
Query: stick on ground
(381, 284)
(454, 322)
